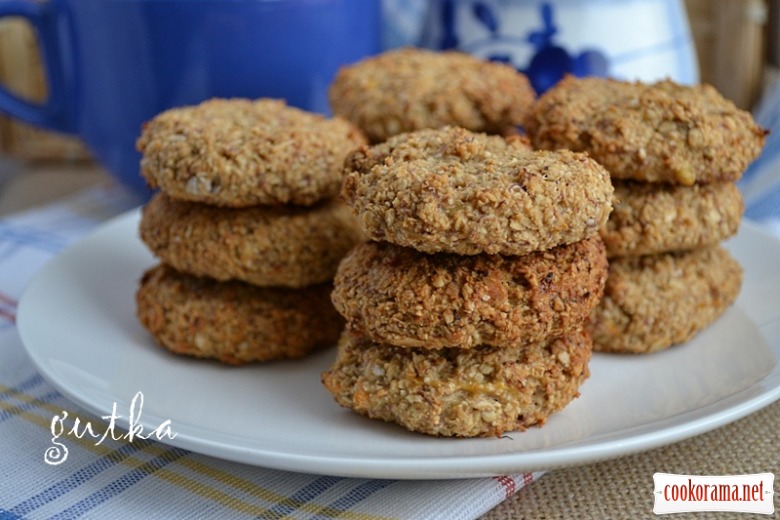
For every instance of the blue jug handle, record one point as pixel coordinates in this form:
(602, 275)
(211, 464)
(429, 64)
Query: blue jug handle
(52, 113)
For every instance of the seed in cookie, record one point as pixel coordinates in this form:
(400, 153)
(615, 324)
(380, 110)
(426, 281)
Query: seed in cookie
(234, 322)
(402, 297)
(454, 392)
(653, 302)
(661, 132)
(261, 245)
(238, 153)
(411, 89)
(650, 218)
(451, 190)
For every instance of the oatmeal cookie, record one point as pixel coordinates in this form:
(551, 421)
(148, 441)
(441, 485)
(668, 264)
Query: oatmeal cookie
(656, 301)
(650, 218)
(455, 392)
(451, 190)
(234, 322)
(411, 89)
(261, 245)
(661, 132)
(402, 297)
(239, 153)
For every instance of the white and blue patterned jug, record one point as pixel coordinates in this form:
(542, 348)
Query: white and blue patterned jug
(628, 39)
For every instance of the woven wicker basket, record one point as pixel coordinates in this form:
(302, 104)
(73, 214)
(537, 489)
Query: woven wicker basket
(731, 40)
(22, 73)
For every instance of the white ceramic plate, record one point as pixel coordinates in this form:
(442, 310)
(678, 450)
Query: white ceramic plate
(77, 321)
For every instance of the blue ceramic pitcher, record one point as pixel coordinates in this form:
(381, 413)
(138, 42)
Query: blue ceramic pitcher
(628, 39)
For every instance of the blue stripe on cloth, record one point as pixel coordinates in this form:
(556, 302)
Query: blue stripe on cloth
(7, 515)
(15, 237)
(77, 478)
(305, 494)
(27, 384)
(767, 159)
(116, 487)
(14, 410)
(354, 497)
(766, 206)
(7, 249)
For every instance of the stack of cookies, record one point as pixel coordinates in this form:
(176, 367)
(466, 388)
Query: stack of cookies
(674, 154)
(246, 227)
(466, 313)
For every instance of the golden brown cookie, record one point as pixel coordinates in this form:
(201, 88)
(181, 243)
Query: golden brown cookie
(451, 190)
(482, 391)
(661, 132)
(239, 153)
(402, 297)
(411, 89)
(653, 302)
(262, 245)
(234, 322)
(650, 218)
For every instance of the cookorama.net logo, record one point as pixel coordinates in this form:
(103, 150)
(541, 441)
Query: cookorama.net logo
(733, 493)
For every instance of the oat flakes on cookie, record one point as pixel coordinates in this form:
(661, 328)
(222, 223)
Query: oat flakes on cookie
(452, 392)
(234, 322)
(411, 89)
(261, 245)
(451, 190)
(651, 218)
(653, 302)
(661, 132)
(402, 297)
(239, 153)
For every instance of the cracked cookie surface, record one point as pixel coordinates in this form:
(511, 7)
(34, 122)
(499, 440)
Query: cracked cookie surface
(261, 245)
(451, 190)
(482, 391)
(650, 218)
(402, 297)
(234, 322)
(240, 152)
(661, 132)
(411, 89)
(653, 302)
